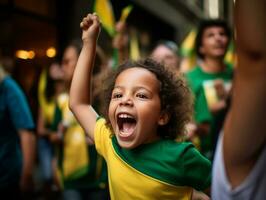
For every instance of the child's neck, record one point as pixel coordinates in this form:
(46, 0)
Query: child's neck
(212, 65)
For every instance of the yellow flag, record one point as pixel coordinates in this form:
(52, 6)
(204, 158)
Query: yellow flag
(134, 45)
(125, 12)
(46, 105)
(188, 51)
(188, 45)
(104, 10)
(230, 56)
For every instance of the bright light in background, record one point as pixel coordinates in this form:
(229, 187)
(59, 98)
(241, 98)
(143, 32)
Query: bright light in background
(214, 9)
(23, 54)
(31, 54)
(51, 52)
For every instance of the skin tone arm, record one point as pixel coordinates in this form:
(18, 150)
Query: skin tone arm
(80, 91)
(41, 130)
(244, 131)
(197, 195)
(120, 41)
(28, 142)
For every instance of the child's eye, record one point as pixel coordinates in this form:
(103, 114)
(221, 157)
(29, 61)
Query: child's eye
(142, 96)
(116, 95)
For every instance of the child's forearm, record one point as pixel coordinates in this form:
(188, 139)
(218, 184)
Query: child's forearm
(80, 91)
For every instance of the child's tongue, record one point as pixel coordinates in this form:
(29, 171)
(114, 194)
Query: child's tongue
(127, 128)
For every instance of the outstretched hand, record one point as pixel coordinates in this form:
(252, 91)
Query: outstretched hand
(120, 40)
(90, 26)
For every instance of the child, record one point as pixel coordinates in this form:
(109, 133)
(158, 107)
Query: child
(147, 107)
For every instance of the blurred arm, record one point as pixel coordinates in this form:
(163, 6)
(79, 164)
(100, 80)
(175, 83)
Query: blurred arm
(28, 147)
(244, 131)
(120, 41)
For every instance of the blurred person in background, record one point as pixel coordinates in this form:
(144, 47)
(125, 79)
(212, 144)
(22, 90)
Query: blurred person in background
(166, 52)
(82, 172)
(210, 82)
(50, 86)
(17, 140)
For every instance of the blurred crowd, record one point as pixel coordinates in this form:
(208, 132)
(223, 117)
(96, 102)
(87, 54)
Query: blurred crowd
(49, 156)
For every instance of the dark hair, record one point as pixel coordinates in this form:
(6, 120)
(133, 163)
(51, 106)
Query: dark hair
(168, 44)
(207, 23)
(174, 94)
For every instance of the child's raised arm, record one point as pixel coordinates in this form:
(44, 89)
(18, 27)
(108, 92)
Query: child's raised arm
(80, 91)
(244, 131)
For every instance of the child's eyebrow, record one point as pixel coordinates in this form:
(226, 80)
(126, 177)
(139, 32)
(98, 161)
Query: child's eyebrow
(135, 88)
(141, 88)
(118, 87)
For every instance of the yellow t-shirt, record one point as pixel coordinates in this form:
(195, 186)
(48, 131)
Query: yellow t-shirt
(131, 178)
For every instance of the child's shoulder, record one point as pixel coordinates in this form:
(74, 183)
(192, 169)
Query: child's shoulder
(177, 147)
(170, 148)
(174, 162)
(183, 151)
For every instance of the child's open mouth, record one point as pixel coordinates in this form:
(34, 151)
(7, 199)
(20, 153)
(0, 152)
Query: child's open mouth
(126, 124)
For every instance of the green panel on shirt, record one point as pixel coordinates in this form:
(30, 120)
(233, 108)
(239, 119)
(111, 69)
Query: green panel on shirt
(175, 163)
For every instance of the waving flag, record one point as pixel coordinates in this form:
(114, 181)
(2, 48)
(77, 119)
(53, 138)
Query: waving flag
(125, 12)
(188, 52)
(104, 10)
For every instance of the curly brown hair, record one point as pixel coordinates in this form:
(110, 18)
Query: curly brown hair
(175, 96)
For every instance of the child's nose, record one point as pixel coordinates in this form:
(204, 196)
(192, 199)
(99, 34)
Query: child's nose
(126, 100)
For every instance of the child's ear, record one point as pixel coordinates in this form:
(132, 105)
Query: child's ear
(164, 118)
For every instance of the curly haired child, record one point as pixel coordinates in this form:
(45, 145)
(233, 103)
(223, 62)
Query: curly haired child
(147, 109)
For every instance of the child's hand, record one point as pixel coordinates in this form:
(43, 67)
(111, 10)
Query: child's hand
(120, 40)
(198, 195)
(90, 26)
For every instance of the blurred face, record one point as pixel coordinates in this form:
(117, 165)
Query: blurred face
(214, 42)
(55, 71)
(135, 107)
(69, 62)
(166, 56)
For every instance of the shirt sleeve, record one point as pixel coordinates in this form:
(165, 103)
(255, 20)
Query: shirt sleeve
(253, 187)
(102, 137)
(18, 107)
(197, 169)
